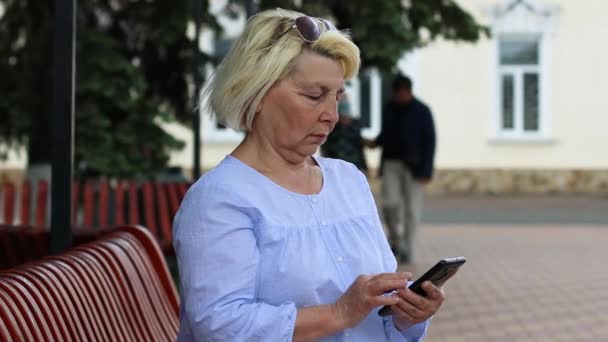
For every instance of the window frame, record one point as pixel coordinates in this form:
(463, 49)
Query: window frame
(523, 19)
(518, 71)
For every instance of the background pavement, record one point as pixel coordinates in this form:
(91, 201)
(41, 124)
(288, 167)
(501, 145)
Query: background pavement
(537, 267)
(517, 209)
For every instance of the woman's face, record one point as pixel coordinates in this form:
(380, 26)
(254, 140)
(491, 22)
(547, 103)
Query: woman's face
(298, 113)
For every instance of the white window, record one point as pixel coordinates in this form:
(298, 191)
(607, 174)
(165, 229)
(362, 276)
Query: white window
(523, 32)
(367, 101)
(520, 76)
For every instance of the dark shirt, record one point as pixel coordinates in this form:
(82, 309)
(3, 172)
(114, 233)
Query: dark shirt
(345, 142)
(408, 134)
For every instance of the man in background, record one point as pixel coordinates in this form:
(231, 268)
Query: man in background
(407, 139)
(345, 141)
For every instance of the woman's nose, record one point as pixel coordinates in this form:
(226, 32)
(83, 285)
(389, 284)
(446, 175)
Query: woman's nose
(331, 111)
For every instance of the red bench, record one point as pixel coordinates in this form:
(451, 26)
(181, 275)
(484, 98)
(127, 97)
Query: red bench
(99, 205)
(116, 288)
(20, 244)
(9, 199)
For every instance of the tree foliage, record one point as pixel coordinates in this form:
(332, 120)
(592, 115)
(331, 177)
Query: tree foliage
(133, 69)
(385, 29)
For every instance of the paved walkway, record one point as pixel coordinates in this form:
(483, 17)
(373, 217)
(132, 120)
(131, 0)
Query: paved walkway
(520, 283)
(537, 266)
(517, 209)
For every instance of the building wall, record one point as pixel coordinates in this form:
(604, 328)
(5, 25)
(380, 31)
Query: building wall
(458, 81)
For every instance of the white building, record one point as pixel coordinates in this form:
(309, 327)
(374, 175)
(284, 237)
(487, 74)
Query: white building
(523, 110)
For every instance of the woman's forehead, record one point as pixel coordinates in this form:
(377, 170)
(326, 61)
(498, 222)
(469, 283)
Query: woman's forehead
(318, 71)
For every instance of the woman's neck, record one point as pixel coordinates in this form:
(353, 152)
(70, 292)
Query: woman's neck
(294, 172)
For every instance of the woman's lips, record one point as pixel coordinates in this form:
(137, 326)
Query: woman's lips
(319, 138)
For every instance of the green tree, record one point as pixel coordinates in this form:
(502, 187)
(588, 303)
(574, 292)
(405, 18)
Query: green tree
(134, 68)
(385, 29)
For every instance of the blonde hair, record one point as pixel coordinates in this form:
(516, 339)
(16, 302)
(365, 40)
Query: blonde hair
(263, 55)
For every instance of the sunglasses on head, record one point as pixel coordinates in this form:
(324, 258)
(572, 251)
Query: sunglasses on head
(309, 27)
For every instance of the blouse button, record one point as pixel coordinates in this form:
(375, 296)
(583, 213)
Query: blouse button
(340, 258)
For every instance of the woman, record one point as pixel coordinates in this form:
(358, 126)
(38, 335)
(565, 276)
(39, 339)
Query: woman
(274, 244)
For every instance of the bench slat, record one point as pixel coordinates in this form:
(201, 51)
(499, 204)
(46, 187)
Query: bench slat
(102, 207)
(9, 202)
(42, 194)
(88, 204)
(133, 204)
(9, 313)
(75, 202)
(119, 199)
(45, 300)
(149, 208)
(117, 287)
(26, 193)
(22, 312)
(163, 214)
(65, 303)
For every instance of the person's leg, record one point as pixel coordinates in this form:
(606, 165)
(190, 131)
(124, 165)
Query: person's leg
(392, 201)
(413, 200)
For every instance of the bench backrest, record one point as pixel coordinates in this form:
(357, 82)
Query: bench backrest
(117, 287)
(99, 204)
(12, 198)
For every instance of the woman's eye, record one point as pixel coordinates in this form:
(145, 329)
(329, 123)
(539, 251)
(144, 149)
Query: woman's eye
(314, 97)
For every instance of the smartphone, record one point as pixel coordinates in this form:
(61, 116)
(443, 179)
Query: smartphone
(438, 275)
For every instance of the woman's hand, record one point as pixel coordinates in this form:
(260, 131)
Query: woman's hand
(413, 308)
(367, 293)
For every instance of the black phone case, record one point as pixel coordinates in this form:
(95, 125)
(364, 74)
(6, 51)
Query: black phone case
(438, 275)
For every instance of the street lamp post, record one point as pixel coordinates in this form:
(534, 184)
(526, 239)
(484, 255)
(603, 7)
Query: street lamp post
(196, 117)
(64, 53)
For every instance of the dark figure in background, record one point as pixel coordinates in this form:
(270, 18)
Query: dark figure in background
(345, 141)
(408, 142)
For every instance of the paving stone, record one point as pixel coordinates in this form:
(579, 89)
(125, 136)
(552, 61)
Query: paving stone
(520, 283)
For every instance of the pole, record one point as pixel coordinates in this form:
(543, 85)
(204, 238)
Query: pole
(196, 120)
(64, 38)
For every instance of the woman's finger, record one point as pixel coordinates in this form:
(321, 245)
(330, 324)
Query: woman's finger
(385, 300)
(413, 298)
(411, 309)
(433, 292)
(392, 276)
(378, 287)
(403, 314)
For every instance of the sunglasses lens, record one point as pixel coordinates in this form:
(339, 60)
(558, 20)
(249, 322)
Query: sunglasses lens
(308, 28)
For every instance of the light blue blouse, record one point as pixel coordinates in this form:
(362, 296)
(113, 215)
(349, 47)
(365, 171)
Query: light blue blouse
(250, 253)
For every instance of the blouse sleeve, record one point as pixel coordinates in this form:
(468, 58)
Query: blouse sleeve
(218, 258)
(415, 332)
